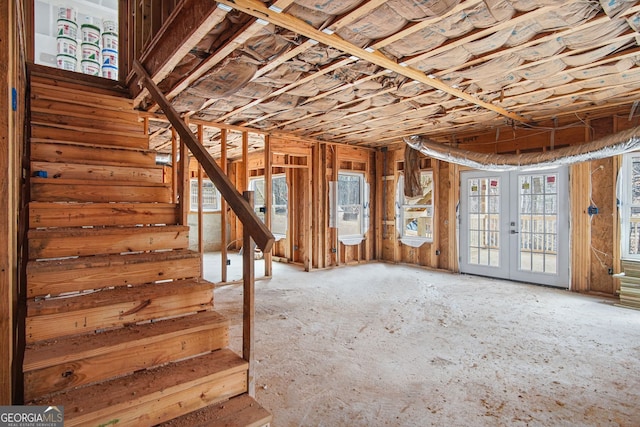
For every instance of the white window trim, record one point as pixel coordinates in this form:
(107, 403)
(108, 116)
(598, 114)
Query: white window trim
(413, 241)
(625, 187)
(193, 205)
(351, 239)
(252, 181)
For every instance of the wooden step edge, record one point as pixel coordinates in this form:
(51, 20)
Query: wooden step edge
(98, 261)
(38, 163)
(69, 96)
(105, 183)
(48, 353)
(101, 297)
(104, 231)
(140, 134)
(91, 145)
(103, 118)
(153, 396)
(128, 120)
(78, 316)
(63, 214)
(54, 77)
(239, 411)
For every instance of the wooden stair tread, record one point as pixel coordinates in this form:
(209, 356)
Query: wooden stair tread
(77, 274)
(63, 181)
(56, 365)
(56, 133)
(47, 101)
(239, 411)
(64, 214)
(115, 261)
(64, 121)
(69, 242)
(51, 352)
(102, 231)
(56, 150)
(82, 171)
(105, 297)
(91, 312)
(56, 78)
(156, 395)
(84, 190)
(90, 145)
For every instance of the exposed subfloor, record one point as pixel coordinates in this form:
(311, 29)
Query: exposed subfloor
(390, 345)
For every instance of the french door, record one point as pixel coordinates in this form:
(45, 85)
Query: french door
(515, 225)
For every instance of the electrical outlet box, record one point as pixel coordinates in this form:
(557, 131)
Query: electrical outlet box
(592, 210)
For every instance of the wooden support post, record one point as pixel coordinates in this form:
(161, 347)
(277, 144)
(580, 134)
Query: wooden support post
(268, 200)
(245, 160)
(435, 228)
(307, 196)
(335, 243)
(183, 184)
(200, 206)
(248, 312)
(378, 205)
(580, 227)
(174, 165)
(454, 197)
(223, 208)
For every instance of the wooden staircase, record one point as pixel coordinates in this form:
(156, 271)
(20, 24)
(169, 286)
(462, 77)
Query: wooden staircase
(120, 327)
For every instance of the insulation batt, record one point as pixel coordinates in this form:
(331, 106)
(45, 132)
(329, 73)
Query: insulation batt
(619, 143)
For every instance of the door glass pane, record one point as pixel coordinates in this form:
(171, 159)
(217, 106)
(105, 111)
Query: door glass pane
(484, 221)
(537, 218)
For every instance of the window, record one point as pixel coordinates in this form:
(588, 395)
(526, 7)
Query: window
(416, 214)
(210, 196)
(350, 204)
(630, 206)
(279, 202)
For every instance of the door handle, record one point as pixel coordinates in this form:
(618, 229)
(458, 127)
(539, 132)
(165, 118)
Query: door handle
(514, 232)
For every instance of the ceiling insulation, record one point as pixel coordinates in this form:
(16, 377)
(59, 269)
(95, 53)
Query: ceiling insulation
(359, 72)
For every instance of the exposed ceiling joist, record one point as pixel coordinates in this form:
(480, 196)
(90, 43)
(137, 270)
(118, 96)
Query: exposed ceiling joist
(259, 10)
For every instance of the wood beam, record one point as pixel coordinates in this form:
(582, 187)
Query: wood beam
(268, 200)
(248, 305)
(186, 26)
(259, 10)
(223, 208)
(245, 213)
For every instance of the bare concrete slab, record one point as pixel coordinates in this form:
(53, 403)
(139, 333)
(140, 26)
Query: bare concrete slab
(389, 345)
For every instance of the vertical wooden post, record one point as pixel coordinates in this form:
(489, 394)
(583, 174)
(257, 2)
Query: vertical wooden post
(223, 208)
(183, 183)
(245, 160)
(335, 243)
(174, 165)
(268, 200)
(200, 206)
(248, 306)
(307, 196)
(435, 225)
(378, 205)
(580, 227)
(323, 209)
(453, 198)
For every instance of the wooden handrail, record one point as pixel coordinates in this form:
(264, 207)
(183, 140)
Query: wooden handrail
(256, 228)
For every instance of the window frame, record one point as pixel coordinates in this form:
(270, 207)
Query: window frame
(403, 206)
(361, 207)
(252, 186)
(626, 205)
(193, 196)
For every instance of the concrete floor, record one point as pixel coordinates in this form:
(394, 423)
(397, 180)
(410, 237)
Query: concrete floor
(389, 345)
